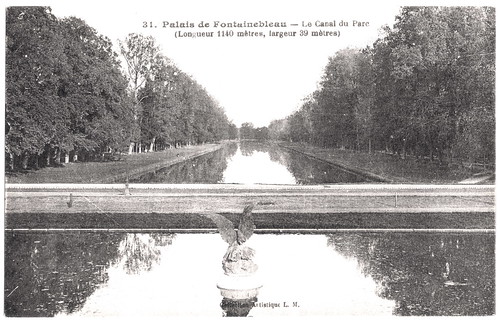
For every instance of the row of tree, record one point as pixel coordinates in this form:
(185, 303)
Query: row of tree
(67, 96)
(169, 107)
(424, 88)
(248, 131)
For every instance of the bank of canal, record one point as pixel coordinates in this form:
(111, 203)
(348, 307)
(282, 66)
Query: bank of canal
(249, 162)
(83, 249)
(253, 162)
(112, 171)
(387, 168)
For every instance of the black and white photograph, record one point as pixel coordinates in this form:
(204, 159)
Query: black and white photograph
(266, 158)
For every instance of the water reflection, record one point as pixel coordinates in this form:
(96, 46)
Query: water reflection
(207, 168)
(309, 171)
(304, 277)
(87, 274)
(439, 274)
(251, 162)
(268, 163)
(237, 308)
(252, 165)
(46, 274)
(249, 147)
(139, 252)
(181, 284)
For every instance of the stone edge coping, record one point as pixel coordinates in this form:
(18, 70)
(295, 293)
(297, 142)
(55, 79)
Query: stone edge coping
(349, 187)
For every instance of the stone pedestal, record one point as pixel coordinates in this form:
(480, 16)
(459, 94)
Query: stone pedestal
(239, 287)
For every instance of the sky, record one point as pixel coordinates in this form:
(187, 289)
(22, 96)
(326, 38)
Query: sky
(254, 79)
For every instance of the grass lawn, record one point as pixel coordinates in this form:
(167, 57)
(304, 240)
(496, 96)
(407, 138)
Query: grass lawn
(393, 168)
(106, 172)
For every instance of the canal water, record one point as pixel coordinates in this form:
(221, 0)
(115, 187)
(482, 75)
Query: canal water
(81, 274)
(250, 162)
(370, 274)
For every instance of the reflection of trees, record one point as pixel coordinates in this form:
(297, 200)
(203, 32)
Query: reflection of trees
(231, 149)
(139, 252)
(277, 155)
(305, 170)
(248, 147)
(210, 168)
(50, 273)
(309, 171)
(207, 168)
(47, 274)
(425, 274)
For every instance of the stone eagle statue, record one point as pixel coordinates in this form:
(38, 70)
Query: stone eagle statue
(238, 257)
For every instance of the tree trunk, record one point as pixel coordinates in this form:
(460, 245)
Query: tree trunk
(152, 146)
(24, 161)
(358, 144)
(36, 165)
(47, 156)
(11, 161)
(440, 156)
(57, 156)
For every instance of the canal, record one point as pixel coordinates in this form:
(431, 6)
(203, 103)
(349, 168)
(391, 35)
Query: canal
(127, 274)
(250, 162)
(80, 273)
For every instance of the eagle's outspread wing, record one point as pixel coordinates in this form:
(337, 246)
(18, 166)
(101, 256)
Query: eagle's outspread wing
(246, 226)
(225, 227)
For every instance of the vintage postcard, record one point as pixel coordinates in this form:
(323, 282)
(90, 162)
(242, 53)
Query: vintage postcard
(249, 158)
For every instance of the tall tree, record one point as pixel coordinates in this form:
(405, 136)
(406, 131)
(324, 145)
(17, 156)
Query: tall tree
(34, 64)
(247, 131)
(431, 78)
(143, 58)
(426, 88)
(176, 110)
(94, 90)
(64, 89)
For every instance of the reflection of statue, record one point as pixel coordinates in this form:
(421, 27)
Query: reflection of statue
(237, 308)
(239, 286)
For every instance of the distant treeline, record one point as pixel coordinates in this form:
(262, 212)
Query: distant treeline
(68, 97)
(248, 131)
(426, 88)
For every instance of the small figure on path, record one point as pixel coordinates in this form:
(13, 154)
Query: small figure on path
(70, 203)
